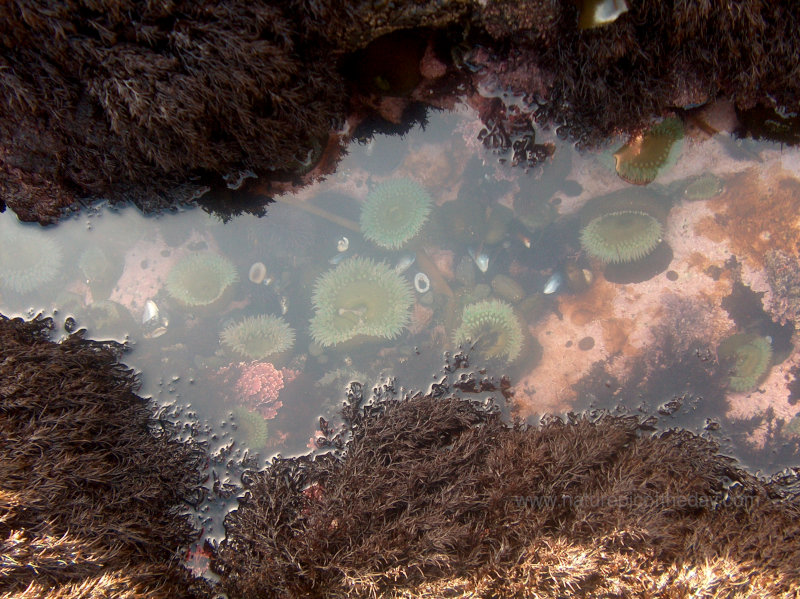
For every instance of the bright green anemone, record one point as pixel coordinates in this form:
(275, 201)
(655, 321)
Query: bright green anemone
(359, 297)
(258, 337)
(622, 236)
(200, 279)
(394, 213)
(29, 258)
(492, 328)
(750, 355)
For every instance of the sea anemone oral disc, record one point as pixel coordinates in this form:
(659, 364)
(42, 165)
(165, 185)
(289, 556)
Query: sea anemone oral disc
(394, 213)
(622, 236)
(640, 160)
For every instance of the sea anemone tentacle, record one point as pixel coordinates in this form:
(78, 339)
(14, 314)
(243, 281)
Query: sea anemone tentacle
(640, 160)
(29, 258)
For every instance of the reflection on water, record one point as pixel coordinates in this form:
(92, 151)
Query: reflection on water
(678, 299)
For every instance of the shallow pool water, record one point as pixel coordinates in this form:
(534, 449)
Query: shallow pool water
(500, 265)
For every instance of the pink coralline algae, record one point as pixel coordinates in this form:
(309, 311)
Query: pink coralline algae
(255, 385)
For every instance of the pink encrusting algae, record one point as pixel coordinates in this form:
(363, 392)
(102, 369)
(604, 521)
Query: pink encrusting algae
(256, 386)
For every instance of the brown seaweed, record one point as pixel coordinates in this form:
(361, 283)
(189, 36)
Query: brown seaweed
(93, 484)
(434, 495)
(133, 100)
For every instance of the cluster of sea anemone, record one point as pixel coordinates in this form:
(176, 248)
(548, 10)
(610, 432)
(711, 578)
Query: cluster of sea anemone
(201, 279)
(621, 236)
(492, 328)
(258, 337)
(641, 159)
(750, 356)
(29, 258)
(394, 213)
(359, 297)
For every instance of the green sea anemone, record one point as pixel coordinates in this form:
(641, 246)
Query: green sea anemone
(394, 213)
(201, 279)
(359, 297)
(621, 236)
(750, 355)
(701, 187)
(252, 428)
(640, 160)
(29, 258)
(258, 337)
(94, 263)
(493, 328)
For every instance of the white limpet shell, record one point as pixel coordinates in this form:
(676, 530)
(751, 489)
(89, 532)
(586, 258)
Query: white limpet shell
(422, 283)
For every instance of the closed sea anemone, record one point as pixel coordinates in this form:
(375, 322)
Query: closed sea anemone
(394, 213)
(252, 428)
(640, 160)
(621, 236)
(359, 297)
(258, 337)
(201, 279)
(493, 328)
(750, 356)
(29, 258)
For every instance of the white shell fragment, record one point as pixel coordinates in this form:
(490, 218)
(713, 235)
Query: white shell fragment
(422, 283)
